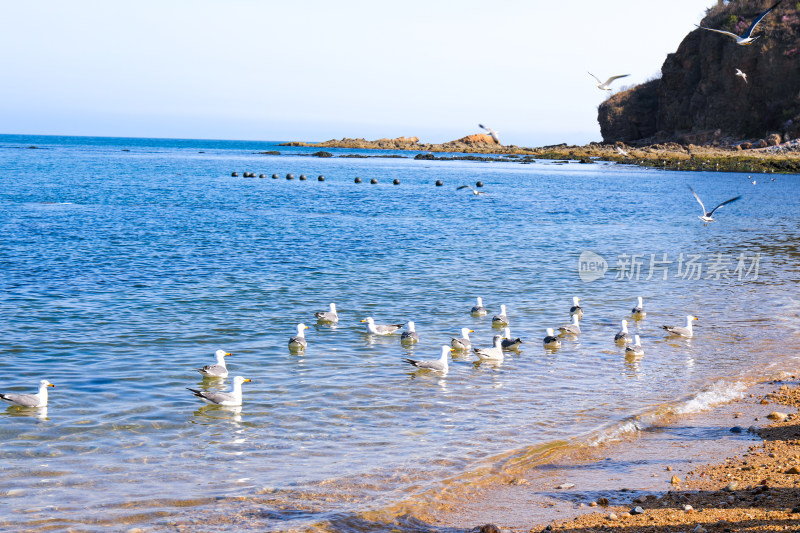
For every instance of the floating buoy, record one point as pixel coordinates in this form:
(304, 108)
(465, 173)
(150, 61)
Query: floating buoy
(320, 178)
(262, 175)
(302, 177)
(290, 176)
(234, 174)
(373, 181)
(357, 180)
(439, 183)
(479, 184)
(396, 181)
(275, 176)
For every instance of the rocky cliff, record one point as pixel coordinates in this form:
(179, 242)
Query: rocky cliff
(699, 98)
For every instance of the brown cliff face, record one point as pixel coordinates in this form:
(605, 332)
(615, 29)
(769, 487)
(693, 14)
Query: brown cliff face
(699, 98)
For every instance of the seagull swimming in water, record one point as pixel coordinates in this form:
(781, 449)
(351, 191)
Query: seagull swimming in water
(439, 365)
(492, 133)
(622, 335)
(223, 398)
(409, 336)
(500, 320)
(604, 85)
(576, 308)
(682, 331)
(509, 343)
(29, 400)
(707, 214)
(741, 75)
(635, 349)
(478, 309)
(551, 341)
(330, 317)
(298, 342)
(464, 343)
(380, 329)
(476, 192)
(638, 312)
(218, 370)
(746, 38)
(495, 353)
(571, 329)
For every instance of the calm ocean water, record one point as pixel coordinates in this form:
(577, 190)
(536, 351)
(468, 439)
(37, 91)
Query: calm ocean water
(127, 262)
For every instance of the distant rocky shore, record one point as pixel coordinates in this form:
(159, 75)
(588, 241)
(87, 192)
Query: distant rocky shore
(760, 155)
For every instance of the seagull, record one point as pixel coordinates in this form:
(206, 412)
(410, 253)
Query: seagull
(741, 75)
(501, 319)
(495, 353)
(463, 344)
(476, 192)
(29, 400)
(380, 329)
(622, 335)
(751, 180)
(298, 342)
(746, 38)
(439, 365)
(682, 331)
(571, 329)
(707, 214)
(509, 343)
(328, 316)
(638, 312)
(604, 85)
(218, 370)
(621, 151)
(492, 133)
(551, 341)
(223, 398)
(576, 308)
(635, 348)
(410, 336)
(478, 309)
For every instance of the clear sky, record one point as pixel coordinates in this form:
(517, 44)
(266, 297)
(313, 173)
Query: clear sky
(315, 70)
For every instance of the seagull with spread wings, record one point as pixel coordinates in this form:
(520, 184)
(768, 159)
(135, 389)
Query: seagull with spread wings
(604, 85)
(747, 37)
(492, 133)
(707, 214)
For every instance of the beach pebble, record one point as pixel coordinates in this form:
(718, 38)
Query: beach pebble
(669, 469)
(699, 529)
(795, 509)
(777, 415)
(730, 487)
(486, 528)
(736, 429)
(566, 486)
(675, 480)
(793, 470)
(688, 508)
(602, 501)
(592, 504)
(636, 510)
(612, 516)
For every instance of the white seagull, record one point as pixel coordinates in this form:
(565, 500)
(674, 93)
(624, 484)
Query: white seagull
(495, 353)
(571, 329)
(604, 85)
(746, 38)
(29, 400)
(223, 398)
(298, 342)
(218, 370)
(380, 329)
(500, 320)
(622, 335)
(741, 75)
(492, 133)
(682, 331)
(707, 214)
(476, 192)
(635, 348)
(464, 343)
(328, 316)
(439, 365)
(478, 308)
(410, 336)
(621, 151)
(509, 343)
(576, 308)
(551, 341)
(638, 312)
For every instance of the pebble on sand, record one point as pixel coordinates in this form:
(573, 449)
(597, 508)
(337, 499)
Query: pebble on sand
(777, 415)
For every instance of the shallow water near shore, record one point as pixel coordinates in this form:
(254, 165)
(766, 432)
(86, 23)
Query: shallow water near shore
(128, 262)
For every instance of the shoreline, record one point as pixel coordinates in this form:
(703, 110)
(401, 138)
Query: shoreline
(778, 158)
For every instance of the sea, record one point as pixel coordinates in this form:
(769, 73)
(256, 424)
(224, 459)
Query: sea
(127, 262)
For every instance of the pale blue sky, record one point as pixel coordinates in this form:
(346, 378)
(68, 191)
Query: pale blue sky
(315, 70)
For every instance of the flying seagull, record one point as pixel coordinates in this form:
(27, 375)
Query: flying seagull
(746, 37)
(492, 133)
(621, 151)
(741, 75)
(604, 85)
(474, 191)
(707, 214)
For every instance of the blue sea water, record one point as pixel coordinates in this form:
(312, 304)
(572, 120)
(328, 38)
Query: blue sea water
(125, 263)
